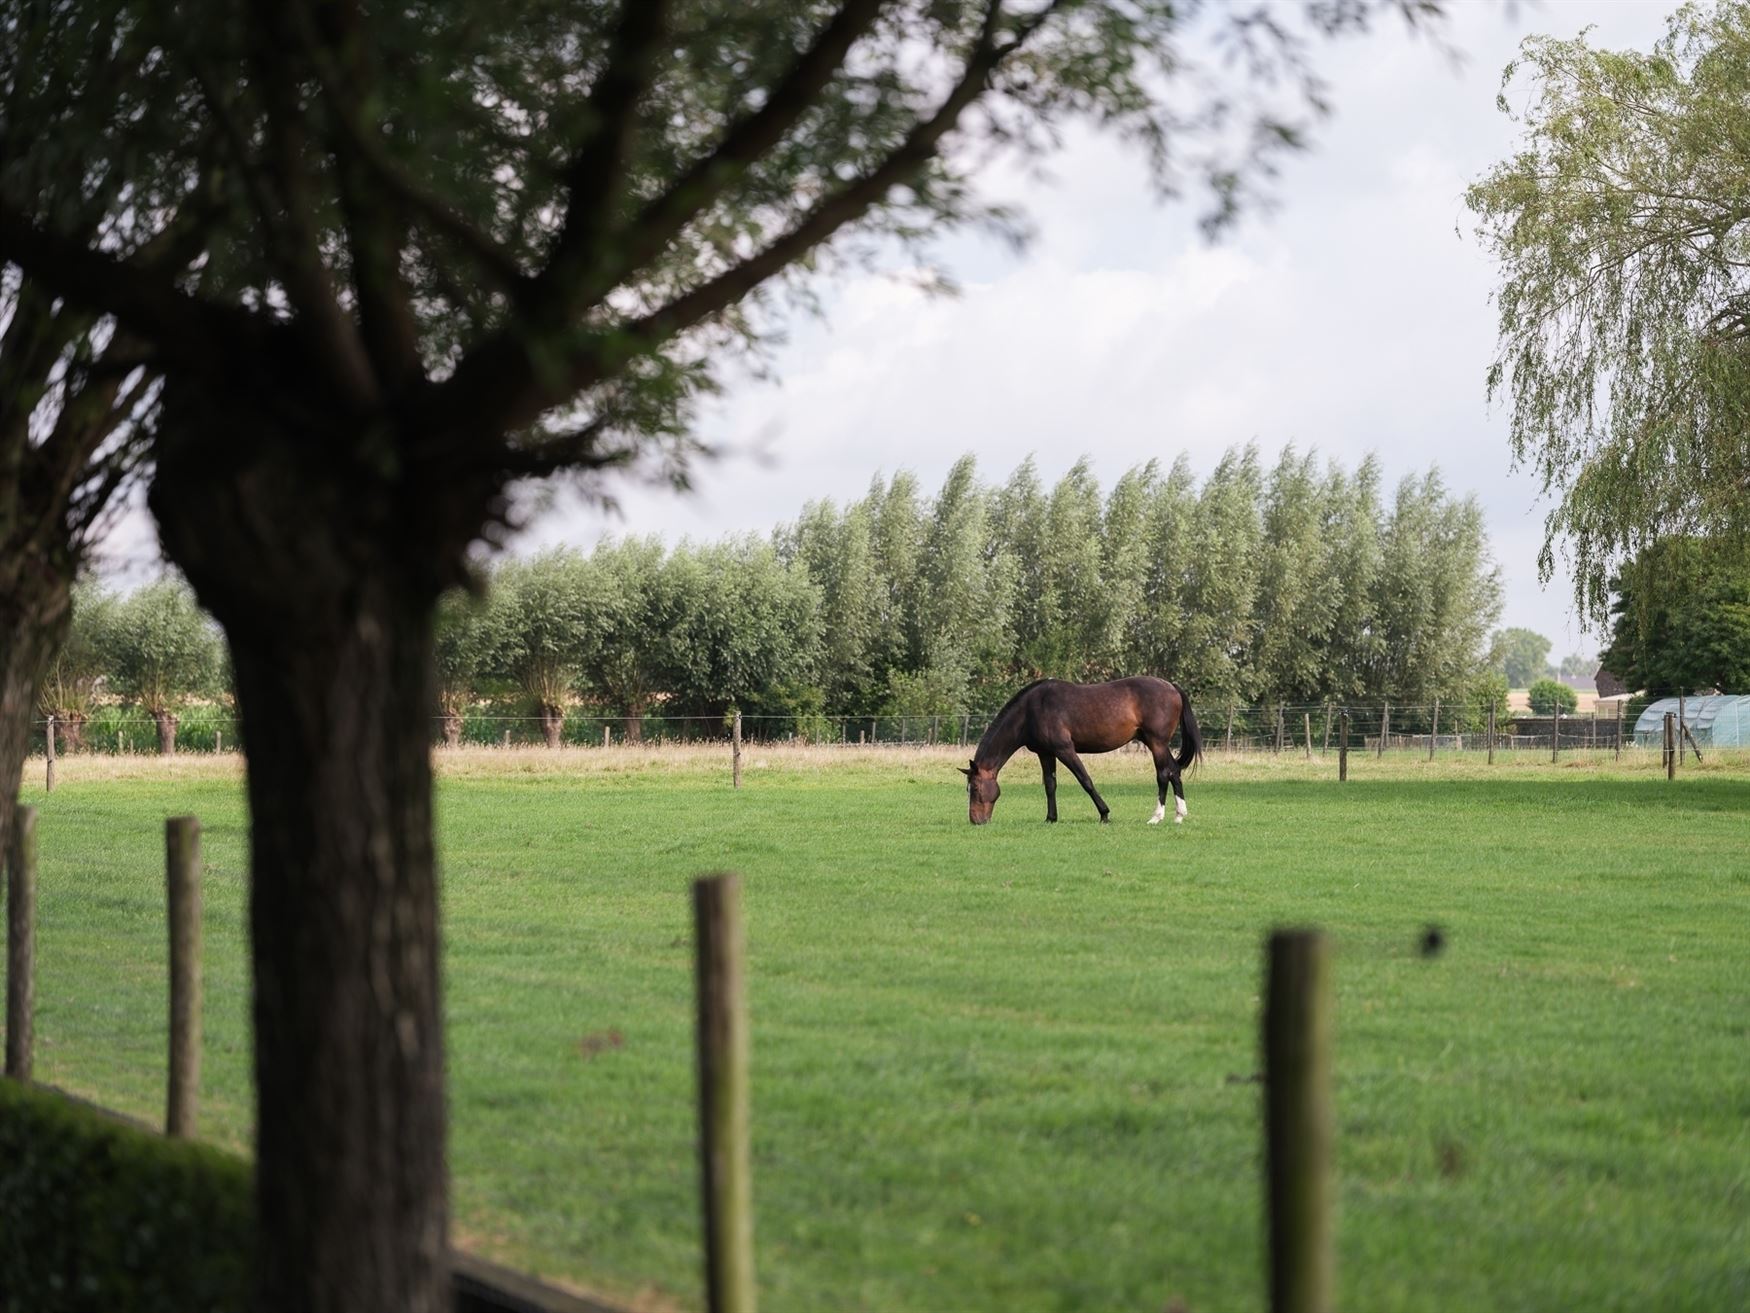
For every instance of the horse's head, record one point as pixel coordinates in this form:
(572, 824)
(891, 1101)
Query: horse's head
(982, 791)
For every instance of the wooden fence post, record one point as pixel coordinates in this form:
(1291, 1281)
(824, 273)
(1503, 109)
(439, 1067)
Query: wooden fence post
(1670, 747)
(1491, 733)
(1555, 734)
(735, 752)
(1619, 729)
(723, 1096)
(1434, 734)
(507, 738)
(49, 753)
(182, 870)
(1307, 717)
(1343, 749)
(1298, 1122)
(218, 741)
(1384, 726)
(21, 943)
(859, 738)
(1230, 729)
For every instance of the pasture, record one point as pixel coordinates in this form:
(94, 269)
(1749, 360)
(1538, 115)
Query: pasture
(1013, 1067)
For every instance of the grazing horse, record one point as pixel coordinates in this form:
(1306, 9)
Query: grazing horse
(1058, 720)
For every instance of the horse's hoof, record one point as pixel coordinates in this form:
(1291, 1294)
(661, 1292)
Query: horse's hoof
(1154, 820)
(1104, 819)
(1178, 820)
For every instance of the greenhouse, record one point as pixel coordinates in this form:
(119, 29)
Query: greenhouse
(1718, 720)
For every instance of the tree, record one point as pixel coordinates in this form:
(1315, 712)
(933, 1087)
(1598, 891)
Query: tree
(544, 620)
(70, 682)
(1520, 654)
(1549, 696)
(1577, 664)
(161, 650)
(1682, 618)
(462, 650)
(625, 661)
(531, 255)
(1621, 225)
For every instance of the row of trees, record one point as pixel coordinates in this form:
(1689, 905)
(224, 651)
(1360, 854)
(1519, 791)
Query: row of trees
(1294, 584)
(153, 649)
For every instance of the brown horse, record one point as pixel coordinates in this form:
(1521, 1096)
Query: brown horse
(1058, 720)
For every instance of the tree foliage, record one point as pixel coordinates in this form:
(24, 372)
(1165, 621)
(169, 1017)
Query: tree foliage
(1681, 618)
(1622, 225)
(1548, 696)
(1522, 655)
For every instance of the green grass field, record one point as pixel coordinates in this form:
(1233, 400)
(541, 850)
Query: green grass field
(1012, 1067)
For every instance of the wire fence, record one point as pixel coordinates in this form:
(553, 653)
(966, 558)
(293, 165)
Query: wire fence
(1304, 728)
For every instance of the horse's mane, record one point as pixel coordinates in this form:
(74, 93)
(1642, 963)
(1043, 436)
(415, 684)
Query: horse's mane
(1016, 697)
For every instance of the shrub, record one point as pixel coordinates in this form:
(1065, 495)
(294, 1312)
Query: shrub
(97, 1214)
(1549, 696)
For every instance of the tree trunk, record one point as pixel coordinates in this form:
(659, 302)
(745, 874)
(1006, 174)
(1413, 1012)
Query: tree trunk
(343, 921)
(31, 629)
(166, 722)
(324, 566)
(70, 727)
(635, 722)
(452, 726)
(552, 723)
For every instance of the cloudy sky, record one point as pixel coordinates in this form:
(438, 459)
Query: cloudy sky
(1354, 318)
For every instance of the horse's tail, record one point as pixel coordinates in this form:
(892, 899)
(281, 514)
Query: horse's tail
(1190, 737)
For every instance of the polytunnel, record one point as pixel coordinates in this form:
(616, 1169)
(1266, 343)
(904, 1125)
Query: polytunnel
(1718, 720)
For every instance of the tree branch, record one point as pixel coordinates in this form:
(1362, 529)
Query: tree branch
(190, 335)
(329, 334)
(597, 173)
(845, 206)
(742, 146)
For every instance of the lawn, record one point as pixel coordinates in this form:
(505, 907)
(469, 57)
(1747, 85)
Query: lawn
(1013, 1067)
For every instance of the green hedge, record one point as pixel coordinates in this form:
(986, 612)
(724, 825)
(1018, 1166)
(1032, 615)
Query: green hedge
(97, 1214)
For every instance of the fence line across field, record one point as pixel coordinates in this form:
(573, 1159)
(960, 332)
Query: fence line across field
(1306, 729)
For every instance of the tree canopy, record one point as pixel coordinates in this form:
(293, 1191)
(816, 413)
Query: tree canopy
(1520, 654)
(1681, 618)
(1622, 225)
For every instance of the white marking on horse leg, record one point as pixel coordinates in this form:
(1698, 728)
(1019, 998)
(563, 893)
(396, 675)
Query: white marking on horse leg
(1179, 811)
(1160, 811)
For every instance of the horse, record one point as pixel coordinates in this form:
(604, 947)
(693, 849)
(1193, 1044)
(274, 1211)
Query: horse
(1058, 720)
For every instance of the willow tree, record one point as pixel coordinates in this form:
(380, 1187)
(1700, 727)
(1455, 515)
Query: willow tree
(455, 246)
(1622, 225)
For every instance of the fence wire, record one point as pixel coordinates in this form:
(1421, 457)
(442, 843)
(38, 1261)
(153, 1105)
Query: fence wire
(1242, 729)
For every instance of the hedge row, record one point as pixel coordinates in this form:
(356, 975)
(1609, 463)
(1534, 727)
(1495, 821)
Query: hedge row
(98, 1214)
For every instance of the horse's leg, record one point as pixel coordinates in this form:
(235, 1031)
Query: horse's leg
(1165, 777)
(1048, 768)
(1068, 757)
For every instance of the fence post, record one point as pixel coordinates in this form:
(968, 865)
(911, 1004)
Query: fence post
(1670, 748)
(1491, 733)
(1555, 734)
(1619, 729)
(1281, 729)
(1343, 749)
(859, 738)
(20, 943)
(218, 741)
(1307, 717)
(1298, 1123)
(735, 752)
(1384, 727)
(1682, 721)
(1230, 729)
(49, 756)
(1434, 734)
(182, 870)
(727, 1174)
(507, 738)
(964, 717)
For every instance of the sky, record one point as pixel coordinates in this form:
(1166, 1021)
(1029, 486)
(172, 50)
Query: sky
(1352, 317)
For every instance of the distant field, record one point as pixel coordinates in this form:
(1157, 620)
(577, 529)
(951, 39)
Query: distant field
(1011, 1068)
